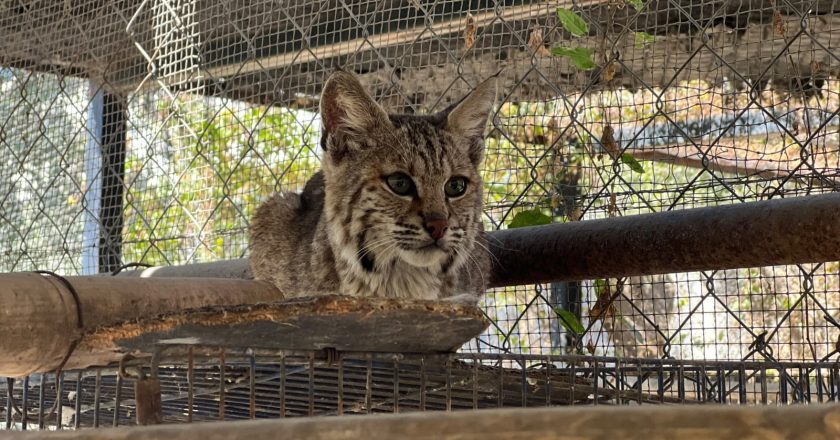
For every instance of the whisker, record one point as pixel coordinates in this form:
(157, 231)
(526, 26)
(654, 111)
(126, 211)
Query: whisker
(498, 242)
(471, 259)
(487, 248)
(370, 247)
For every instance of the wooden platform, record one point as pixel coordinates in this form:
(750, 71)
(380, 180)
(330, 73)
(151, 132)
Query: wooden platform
(79, 322)
(339, 322)
(642, 423)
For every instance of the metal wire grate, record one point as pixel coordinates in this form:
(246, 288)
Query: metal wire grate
(235, 387)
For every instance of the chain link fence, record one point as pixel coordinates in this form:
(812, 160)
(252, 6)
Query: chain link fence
(149, 132)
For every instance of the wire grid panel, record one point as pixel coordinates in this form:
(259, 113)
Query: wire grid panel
(252, 387)
(149, 132)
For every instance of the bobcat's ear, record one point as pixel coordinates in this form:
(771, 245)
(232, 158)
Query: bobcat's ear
(468, 117)
(348, 114)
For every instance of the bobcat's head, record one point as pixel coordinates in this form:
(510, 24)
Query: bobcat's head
(402, 188)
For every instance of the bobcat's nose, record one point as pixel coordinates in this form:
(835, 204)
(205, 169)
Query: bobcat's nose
(436, 225)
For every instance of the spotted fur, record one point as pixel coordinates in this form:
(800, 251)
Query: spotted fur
(349, 232)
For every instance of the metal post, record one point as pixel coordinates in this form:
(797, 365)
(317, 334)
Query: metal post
(114, 129)
(104, 172)
(93, 177)
(566, 295)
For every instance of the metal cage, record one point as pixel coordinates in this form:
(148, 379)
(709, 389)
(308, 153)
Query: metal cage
(146, 132)
(250, 385)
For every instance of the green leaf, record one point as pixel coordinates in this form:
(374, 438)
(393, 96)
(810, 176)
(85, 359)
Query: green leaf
(572, 22)
(634, 164)
(636, 4)
(569, 321)
(643, 39)
(531, 217)
(600, 287)
(581, 57)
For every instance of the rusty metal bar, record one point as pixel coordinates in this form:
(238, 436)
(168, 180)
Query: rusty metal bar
(764, 233)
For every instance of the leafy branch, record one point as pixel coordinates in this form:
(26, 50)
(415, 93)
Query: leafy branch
(581, 57)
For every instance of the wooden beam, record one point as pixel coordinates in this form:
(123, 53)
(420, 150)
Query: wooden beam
(658, 17)
(607, 423)
(384, 41)
(436, 68)
(730, 155)
(688, 156)
(95, 320)
(725, 161)
(51, 315)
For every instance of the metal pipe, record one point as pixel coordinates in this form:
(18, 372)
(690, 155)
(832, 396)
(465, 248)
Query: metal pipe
(764, 233)
(237, 269)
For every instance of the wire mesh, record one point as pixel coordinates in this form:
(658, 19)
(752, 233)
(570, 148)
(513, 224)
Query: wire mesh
(304, 384)
(149, 132)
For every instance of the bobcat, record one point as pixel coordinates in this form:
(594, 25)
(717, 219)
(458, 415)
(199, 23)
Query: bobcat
(395, 211)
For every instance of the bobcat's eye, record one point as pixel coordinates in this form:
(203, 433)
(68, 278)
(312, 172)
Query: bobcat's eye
(456, 186)
(400, 184)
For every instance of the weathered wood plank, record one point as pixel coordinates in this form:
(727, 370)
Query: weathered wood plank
(338, 322)
(49, 316)
(607, 423)
(98, 319)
